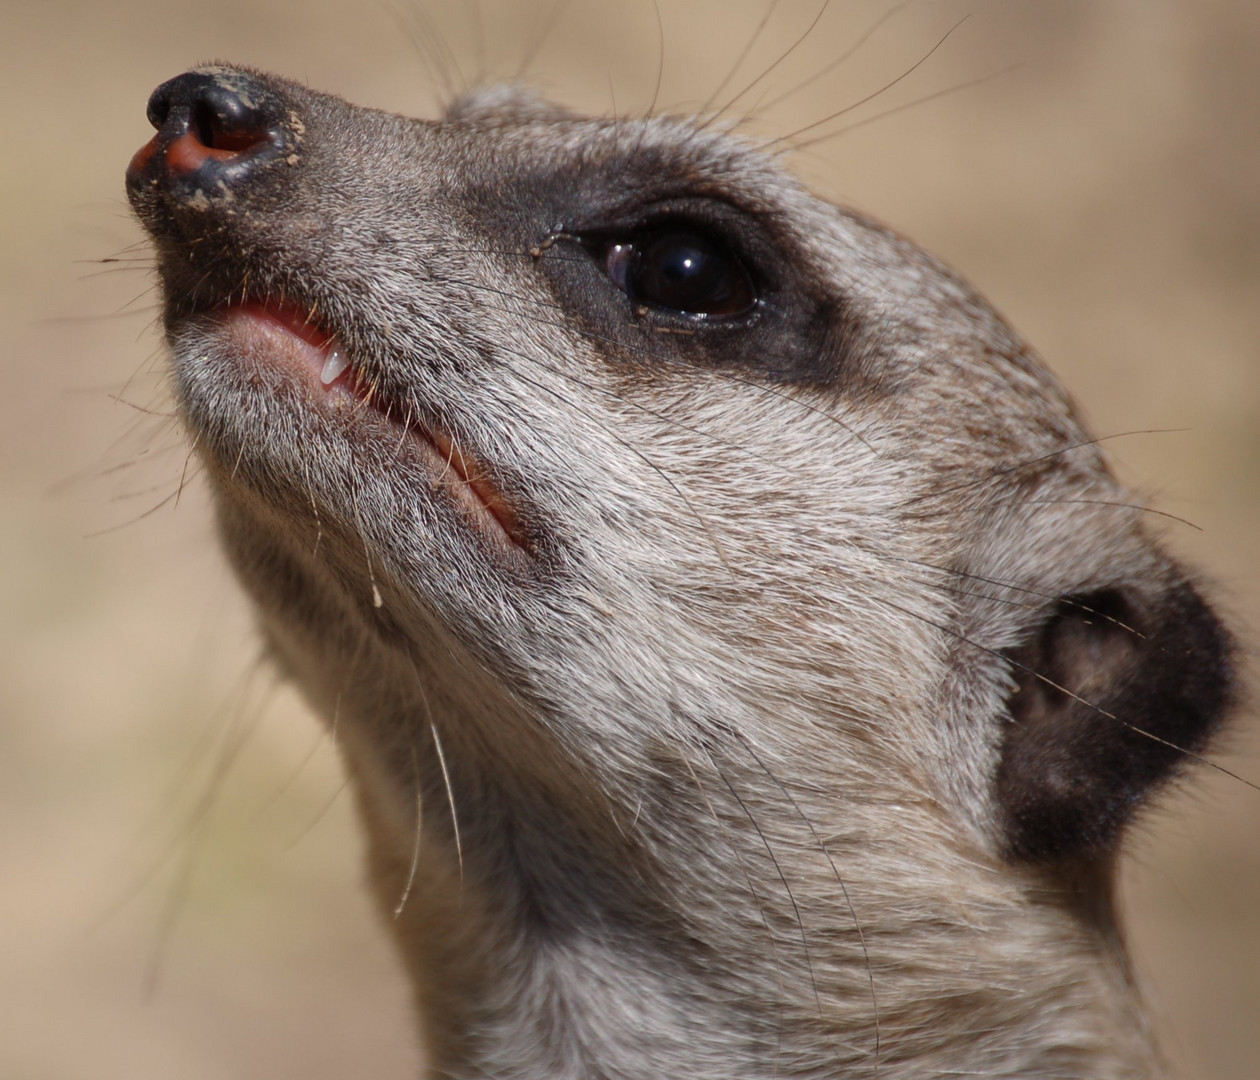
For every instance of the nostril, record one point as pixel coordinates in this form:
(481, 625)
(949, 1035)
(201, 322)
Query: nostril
(201, 123)
(159, 109)
(215, 132)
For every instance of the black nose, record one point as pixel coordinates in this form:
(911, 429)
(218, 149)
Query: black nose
(216, 130)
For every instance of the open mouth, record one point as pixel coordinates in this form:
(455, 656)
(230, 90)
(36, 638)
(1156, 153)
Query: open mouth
(286, 337)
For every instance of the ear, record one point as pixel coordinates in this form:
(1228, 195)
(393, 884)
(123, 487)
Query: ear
(505, 103)
(1114, 691)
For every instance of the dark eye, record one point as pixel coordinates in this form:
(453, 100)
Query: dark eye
(683, 271)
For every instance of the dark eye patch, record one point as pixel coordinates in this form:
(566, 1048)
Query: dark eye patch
(687, 277)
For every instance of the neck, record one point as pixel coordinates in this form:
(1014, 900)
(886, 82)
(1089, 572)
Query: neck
(712, 922)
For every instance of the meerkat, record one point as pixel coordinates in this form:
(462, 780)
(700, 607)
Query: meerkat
(745, 662)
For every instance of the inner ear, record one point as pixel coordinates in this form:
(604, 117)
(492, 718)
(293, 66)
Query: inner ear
(1113, 692)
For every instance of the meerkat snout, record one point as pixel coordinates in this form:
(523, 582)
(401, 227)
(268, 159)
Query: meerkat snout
(772, 657)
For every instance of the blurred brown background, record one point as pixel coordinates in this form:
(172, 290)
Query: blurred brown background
(179, 861)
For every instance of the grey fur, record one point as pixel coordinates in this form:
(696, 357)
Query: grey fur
(689, 770)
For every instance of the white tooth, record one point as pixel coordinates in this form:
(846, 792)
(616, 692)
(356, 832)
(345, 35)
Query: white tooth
(333, 366)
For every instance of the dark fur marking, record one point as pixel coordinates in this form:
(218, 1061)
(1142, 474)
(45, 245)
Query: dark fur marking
(1072, 776)
(800, 333)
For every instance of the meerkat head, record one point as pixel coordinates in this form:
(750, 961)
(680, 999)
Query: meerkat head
(721, 559)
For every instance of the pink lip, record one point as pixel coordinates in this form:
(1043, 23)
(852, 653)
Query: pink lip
(291, 318)
(293, 339)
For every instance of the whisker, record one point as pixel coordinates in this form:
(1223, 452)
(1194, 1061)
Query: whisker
(415, 851)
(739, 60)
(778, 60)
(1102, 616)
(546, 26)
(660, 60)
(1119, 504)
(765, 842)
(793, 136)
(844, 890)
(1189, 754)
(994, 475)
(752, 890)
(841, 59)
(450, 792)
(904, 107)
(240, 732)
